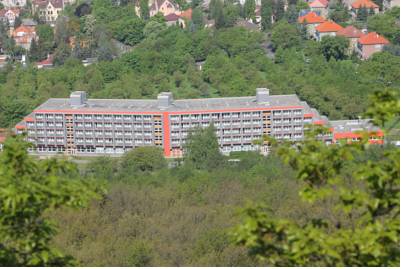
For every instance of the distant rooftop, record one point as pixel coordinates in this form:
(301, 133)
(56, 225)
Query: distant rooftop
(353, 125)
(153, 105)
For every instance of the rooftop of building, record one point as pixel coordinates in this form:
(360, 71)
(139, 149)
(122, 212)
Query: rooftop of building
(345, 126)
(364, 4)
(328, 26)
(318, 4)
(373, 39)
(153, 105)
(350, 32)
(311, 18)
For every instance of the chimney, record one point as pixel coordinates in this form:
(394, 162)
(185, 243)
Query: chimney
(165, 99)
(78, 98)
(262, 95)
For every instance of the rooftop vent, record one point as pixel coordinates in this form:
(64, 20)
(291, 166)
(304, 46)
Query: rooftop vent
(262, 95)
(78, 98)
(165, 99)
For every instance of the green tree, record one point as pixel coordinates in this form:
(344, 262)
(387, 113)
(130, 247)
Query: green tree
(202, 149)
(339, 13)
(143, 159)
(144, 9)
(385, 25)
(230, 14)
(197, 18)
(266, 14)
(285, 35)
(249, 9)
(363, 193)
(279, 9)
(29, 191)
(334, 47)
(128, 31)
(216, 13)
(362, 14)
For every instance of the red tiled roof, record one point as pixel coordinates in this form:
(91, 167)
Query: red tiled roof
(319, 3)
(328, 26)
(311, 18)
(171, 17)
(373, 39)
(187, 14)
(364, 3)
(350, 32)
(47, 61)
(24, 29)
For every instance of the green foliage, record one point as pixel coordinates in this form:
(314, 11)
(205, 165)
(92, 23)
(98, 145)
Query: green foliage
(386, 24)
(266, 14)
(364, 194)
(202, 149)
(143, 159)
(29, 190)
(339, 13)
(285, 35)
(197, 18)
(128, 31)
(144, 9)
(334, 47)
(249, 9)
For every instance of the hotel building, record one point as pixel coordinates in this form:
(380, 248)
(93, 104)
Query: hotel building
(81, 126)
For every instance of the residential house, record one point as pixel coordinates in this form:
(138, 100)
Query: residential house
(370, 43)
(23, 36)
(14, 3)
(320, 7)
(173, 19)
(48, 10)
(352, 34)
(311, 20)
(186, 14)
(165, 7)
(46, 63)
(388, 4)
(327, 28)
(246, 24)
(360, 4)
(9, 15)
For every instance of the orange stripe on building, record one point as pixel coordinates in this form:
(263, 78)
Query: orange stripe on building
(166, 134)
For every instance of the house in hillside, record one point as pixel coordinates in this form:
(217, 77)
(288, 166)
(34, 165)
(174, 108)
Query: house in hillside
(327, 28)
(172, 19)
(23, 36)
(246, 24)
(14, 3)
(48, 10)
(46, 63)
(369, 44)
(186, 14)
(370, 6)
(311, 20)
(320, 7)
(388, 4)
(9, 15)
(165, 7)
(352, 34)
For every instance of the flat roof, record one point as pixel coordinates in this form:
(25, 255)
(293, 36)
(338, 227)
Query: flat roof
(184, 105)
(353, 125)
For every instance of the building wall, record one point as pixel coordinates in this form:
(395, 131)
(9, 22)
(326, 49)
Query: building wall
(82, 134)
(319, 36)
(366, 51)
